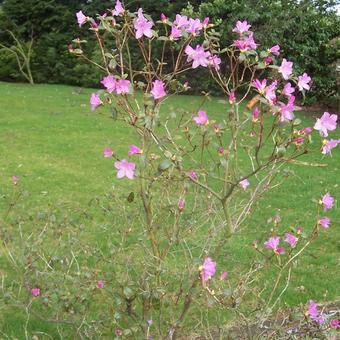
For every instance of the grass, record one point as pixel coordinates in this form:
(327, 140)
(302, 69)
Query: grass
(53, 143)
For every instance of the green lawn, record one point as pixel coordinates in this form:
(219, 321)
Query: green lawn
(51, 140)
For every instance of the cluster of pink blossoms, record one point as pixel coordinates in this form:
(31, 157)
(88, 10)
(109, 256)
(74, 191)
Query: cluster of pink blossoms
(200, 57)
(327, 202)
(124, 167)
(318, 317)
(246, 41)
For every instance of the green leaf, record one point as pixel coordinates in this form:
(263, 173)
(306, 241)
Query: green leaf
(164, 165)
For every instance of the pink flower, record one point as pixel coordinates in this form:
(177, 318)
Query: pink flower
(119, 9)
(201, 118)
(208, 269)
(123, 86)
(224, 275)
(286, 68)
(326, 123)
(324, 222)
(81, 18)
(327, 201)
(194, 26)
(241, 27)
(303, 82)
(125, 168)
(133, 150)
(35, 291)
(268, 60)
(198, 56)
(288, 89)
(291, 239)
(272, 243)
(175, 33)
(163, 17)
(107, 152)
(305, 131)
(221, 151)
(193, 175)
(142, 25)
(232, 97)
(270, 92)
(158, 89)
(328, 145)
(287, 110)
(15, 180)
(181, 21)
(335, 323)
(95, 101)
(250, 42)
(181, 204)
(244, 184)
(275, 50)
(100, 284)
(260, 85)
(206, 22)
(255, 114)
(110, 83)
(314, 313)
(215, 62)
(246, 43)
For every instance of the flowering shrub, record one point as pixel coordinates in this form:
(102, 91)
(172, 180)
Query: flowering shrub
(188, 179)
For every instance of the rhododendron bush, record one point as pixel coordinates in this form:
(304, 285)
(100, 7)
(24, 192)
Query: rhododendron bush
(185, 174)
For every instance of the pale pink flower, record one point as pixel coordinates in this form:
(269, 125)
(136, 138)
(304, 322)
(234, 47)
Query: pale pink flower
(270, 92)
(244, 184)
(215, 61)
(327, 201)
(35, 291)
(328, 145)
(291, 239)
(324, 222)
(110, 83)
(286, 110)
(272, 243)
(100, 284)
(288, 89)
(175, 33)
(250, 42)
(208, 269)
(15, 180)
(232, 97)
(123, 86)
(142, 25)
(314, 313)
(260, 85)
(255, 114)
(193, 175)
(119, 9)
(198, 56)
(81, 18)
(224, 275)
(201, 118)
(181, 204)
(125, 168)
(95, 101)
(241, 27)
(275, 50)
(194, 26)
(326, 123)
(181, 21)
(108, 152)
(286, 68)
(303, 82)
(134, 149)
(158, 89)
